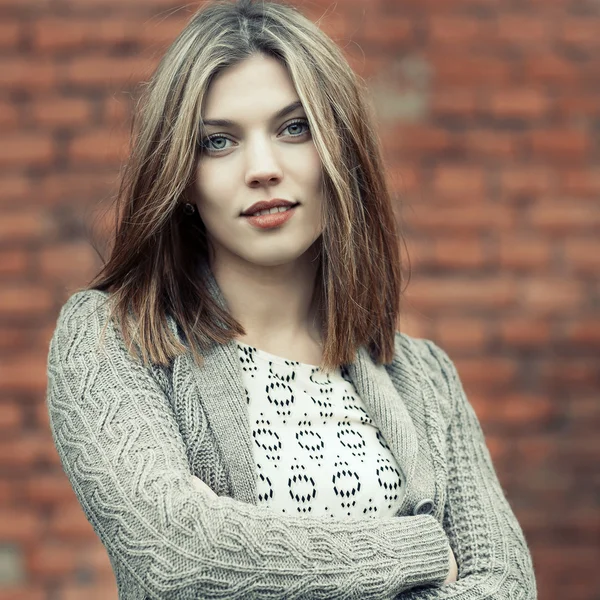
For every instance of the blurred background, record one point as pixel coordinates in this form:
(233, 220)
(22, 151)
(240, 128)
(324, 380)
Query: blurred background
(489, 112)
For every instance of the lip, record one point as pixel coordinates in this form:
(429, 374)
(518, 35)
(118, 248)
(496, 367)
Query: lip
(272, 221)
(266, 205)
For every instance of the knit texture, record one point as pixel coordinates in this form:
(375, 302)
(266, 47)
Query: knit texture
(130, 438)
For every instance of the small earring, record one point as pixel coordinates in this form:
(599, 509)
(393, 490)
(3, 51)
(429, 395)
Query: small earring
(189, 209)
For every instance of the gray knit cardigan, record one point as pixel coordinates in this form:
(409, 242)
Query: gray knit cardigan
(130, 437)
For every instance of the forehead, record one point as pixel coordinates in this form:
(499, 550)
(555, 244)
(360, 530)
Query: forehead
(257, 87)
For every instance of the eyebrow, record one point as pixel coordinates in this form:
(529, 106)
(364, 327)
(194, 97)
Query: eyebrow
(278, 115)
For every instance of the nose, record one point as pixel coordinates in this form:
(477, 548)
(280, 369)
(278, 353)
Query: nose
(262, 165)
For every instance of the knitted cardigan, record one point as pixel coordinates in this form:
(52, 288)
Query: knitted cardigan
(130, 437)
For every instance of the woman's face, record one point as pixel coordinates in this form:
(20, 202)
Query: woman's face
(257, 153)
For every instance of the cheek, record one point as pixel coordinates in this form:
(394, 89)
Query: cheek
(212, 185)
(313, 169)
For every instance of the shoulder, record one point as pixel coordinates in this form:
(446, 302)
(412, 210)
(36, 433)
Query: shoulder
(82, 322)
(428, 364)
(423, 352)
(86, 305)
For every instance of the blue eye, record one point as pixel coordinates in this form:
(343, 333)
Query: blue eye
(205, 144)
(217, 143)
(297, 128)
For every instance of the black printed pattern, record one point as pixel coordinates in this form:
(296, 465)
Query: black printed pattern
(317, 451)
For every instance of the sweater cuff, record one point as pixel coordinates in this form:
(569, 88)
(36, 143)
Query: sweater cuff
(424, 553)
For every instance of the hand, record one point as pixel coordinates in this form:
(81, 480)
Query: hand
(201, 486)
(453, 574)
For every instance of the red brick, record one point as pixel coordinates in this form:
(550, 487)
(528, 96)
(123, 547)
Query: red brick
(48, 489)
(73, 34)
(78, 188)
(366, 66)
(24, 4)
(519, 252)
(25, 149)
(521, 332)
(465, 184)
(23, 226)
(139, 6)
(447, 29)
(62, 111)
(580, 32)
(458, 253)
(538, 450)
(584, 414)
(523, 30)
(565, 217)
(10, 34)
(583, 255)
(524, 103)
(415, 142)
(461, 218)
(98, 147)
(8, 116)
(42, 419)
(454, 102)
(551, 296)
(14, 263)
(28, 591)
(412, 324)
(68, 522)
(14, 187)
(24, 300)
(163, 32)
(117, 110)
(406, 179)
(106, 72)
(446, 294)
(549, 68)
(12, 337)
(106, 590)
(567, 145)
(94, 557)
(479, 143)
(24, 74)
(583, 332)
(11, 416)
(417, 251)
(52, 560)
(577, 104)
(19, 524)
(60, 34)
(516, 181)
(520, 409)
(392, 31)
(69, 263)
(27, 451)
(25, 373)
(462, 333)
(571, 374)
(456, 69)
(486, 372)
(583, 182)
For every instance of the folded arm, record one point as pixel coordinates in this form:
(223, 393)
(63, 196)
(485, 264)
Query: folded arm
(493, 559)
(122, 451)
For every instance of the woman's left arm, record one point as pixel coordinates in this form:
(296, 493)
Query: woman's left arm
(494, 562)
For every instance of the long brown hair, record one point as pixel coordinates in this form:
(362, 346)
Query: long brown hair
(153, 270)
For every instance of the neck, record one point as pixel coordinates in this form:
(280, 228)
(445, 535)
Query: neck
(272, 303)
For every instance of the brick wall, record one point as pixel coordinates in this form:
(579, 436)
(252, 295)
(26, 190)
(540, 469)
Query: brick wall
(489, 114)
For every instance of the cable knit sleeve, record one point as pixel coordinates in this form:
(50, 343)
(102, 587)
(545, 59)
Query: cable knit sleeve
(122, 451)
(493, 559)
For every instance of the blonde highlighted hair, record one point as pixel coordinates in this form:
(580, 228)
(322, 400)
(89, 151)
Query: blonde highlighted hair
(153, 271)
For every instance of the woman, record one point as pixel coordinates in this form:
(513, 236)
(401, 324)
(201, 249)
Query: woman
(230, 400)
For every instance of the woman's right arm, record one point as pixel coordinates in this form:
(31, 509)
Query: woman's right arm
(122, 451)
